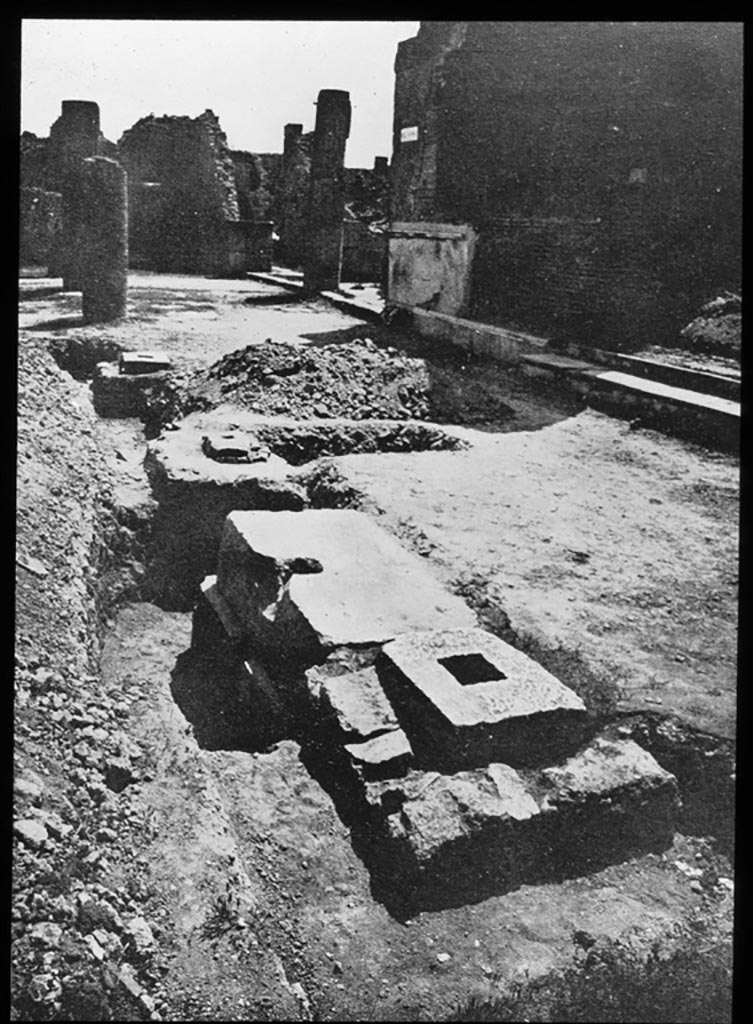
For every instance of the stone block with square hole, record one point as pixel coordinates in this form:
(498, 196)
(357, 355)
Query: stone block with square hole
(437, 833)
(304, 583)
(466, 699)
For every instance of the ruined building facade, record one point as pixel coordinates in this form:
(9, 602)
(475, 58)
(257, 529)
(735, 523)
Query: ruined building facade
(598, 163)
(194, 205)
(366, 193)
(184, 207)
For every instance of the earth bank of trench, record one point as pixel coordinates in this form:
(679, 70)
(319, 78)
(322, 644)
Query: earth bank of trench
(257, 904)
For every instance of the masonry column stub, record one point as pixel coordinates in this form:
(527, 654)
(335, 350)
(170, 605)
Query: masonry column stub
(327, 193)
(104, 263)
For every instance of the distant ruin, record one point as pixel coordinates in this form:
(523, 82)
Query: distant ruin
(581, 181)
(194, 205)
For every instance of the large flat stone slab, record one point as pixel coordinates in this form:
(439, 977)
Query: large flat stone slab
(305, 582)
(465, 699)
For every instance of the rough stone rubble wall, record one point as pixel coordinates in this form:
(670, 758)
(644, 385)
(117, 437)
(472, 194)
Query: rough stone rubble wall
(182, 192)
(40, 224)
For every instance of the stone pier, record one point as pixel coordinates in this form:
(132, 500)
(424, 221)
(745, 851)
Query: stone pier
(327, 192)
(74, 137)
(296, 181)
(104, 260)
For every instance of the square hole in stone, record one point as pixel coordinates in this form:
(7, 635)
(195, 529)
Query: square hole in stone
(469, 669)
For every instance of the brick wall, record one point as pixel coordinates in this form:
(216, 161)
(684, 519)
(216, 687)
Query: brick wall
(532, 131)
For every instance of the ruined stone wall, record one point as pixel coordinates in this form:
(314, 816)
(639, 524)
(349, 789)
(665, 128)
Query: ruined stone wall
(40, 225)
(257, 183)
(599, 162)
(364, 252)
(34, 171)
(181, 224)
(418, 78)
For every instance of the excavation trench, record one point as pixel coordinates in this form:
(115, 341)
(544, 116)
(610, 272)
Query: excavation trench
(159, 542)
(160, 549)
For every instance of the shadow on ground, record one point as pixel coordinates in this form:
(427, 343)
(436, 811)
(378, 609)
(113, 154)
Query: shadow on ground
(60, 323)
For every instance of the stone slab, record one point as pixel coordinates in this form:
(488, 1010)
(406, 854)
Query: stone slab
(356, 705)
(306, 582)
(668, 392)
(610, 801)
(233, 446)
(385, 756)
(465, 698)
(134, 363)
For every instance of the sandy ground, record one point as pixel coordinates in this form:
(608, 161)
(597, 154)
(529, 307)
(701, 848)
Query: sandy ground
(618, 544)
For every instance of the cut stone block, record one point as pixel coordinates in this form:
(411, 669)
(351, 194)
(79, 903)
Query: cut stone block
(118, 396)
(609, 801)
(608, 773)
(303, 583)
(241, 685)
(199, 461)
(466, 698)
(356, 705)
(233, 446)
(449, 836)
(384, 756)
(133, 363)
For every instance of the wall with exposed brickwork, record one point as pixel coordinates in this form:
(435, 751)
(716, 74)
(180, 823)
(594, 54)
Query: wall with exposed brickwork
(599, 162)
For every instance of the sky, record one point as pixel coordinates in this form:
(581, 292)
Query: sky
(256, 76)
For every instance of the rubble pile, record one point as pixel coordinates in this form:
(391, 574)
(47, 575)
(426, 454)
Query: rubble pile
(355, 379)
(717, 330)
(84, 947)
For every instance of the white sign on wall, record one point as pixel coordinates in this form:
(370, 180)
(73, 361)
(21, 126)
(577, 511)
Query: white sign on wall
(409, 134)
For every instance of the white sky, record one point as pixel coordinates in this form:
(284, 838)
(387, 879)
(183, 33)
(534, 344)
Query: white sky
(256, 76)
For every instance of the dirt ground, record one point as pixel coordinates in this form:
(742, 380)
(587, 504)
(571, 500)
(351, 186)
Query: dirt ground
(609, 554)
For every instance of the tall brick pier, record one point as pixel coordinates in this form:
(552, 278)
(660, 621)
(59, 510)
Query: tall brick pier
(74, 137)
(327, 192)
